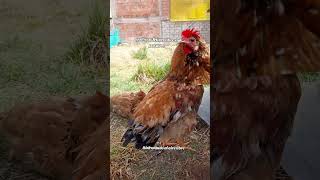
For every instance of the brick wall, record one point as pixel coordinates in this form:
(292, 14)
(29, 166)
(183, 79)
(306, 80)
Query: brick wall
(165, 8)
(137, 8)
(150, 18)
(130, 31)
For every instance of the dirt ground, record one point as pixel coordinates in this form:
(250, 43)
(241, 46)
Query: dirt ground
(130, 163)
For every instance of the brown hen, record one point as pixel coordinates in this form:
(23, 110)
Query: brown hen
(124, 104)
(168, 111)
(60, 137)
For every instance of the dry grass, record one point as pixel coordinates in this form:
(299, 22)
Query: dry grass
(130, 163)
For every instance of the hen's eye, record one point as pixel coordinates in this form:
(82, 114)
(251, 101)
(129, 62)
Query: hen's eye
(192, 40)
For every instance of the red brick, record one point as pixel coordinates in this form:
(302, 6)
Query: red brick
(129, 32)
(165, 8)
(137, 8)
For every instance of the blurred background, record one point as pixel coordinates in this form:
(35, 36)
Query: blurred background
(49, 48)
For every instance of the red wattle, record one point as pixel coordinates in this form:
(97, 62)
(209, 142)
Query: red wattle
(187, 50)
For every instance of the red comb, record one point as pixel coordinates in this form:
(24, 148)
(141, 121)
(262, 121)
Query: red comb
(190, 33)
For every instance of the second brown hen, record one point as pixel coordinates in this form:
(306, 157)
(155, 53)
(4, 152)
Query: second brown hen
(54, 136)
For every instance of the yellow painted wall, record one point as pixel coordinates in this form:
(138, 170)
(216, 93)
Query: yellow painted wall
(189, 10)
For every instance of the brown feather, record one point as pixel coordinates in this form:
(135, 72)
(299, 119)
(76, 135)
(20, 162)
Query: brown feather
(197, 74)
(90, 163)
(259, 48)
(48, 134)
(124, 104)
(253, 119)
(165, 98)
(177, 130)
(278, 40)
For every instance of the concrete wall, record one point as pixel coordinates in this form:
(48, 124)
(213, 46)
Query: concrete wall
(150, 18)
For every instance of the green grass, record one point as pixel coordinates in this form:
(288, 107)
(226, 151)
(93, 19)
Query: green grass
(128, 74)
(29, 74)
(91, 46)
(32, 68)
(120, 83)
(14, 42)
(151, 71)
(140, 54)
(12, 72)
(309, 77)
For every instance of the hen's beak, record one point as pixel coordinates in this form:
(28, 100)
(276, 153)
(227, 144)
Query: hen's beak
(194, 47)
